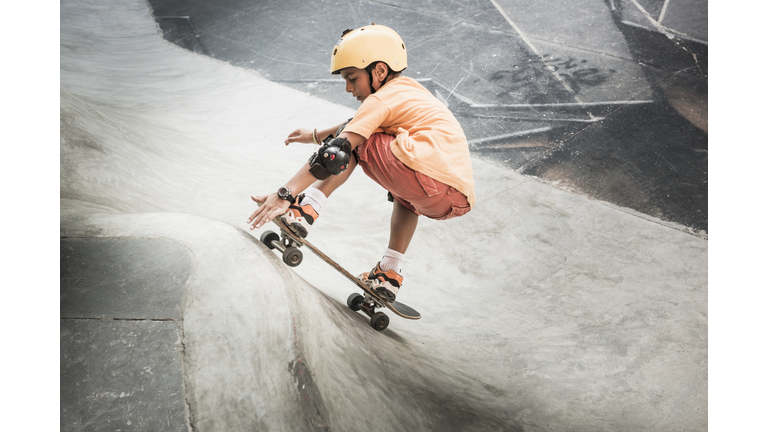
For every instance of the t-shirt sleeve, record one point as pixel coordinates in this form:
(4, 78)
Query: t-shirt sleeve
(368, 118)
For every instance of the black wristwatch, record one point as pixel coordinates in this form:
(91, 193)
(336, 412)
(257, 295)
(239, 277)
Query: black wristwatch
(285, 193)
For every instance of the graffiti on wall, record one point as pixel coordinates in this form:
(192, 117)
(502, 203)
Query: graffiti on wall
(532, 80)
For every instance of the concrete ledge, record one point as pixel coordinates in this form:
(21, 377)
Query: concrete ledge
(237, 328)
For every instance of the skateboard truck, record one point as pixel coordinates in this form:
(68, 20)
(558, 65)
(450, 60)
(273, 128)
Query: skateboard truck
(368, 304)
(287, 245)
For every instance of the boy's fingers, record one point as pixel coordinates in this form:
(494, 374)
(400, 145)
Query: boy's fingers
(253, 216)
(292, 137)
(263, 219)
(264, 214)
(258, 222)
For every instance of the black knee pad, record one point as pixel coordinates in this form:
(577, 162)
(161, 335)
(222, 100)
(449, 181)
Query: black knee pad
(330, 159)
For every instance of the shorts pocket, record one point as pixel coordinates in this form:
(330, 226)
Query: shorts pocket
(427, 184)
(457, 209)
(413, 185)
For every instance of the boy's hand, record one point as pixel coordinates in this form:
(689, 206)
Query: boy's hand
(300, 136)
(271, 207)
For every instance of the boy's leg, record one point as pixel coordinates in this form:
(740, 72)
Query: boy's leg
(402, 227)
(303, 213)
(385, 277)
(333, 182)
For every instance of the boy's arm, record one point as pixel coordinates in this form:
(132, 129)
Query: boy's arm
(305, 135)
(273, 206)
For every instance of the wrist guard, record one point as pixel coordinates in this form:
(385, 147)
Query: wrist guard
(330, 159)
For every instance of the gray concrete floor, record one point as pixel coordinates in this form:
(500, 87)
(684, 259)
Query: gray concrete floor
(542, 309)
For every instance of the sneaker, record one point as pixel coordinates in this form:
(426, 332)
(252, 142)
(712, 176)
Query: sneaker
(299, 218)
(384, 283)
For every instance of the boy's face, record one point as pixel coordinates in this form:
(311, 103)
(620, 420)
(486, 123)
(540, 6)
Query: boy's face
(358, 82)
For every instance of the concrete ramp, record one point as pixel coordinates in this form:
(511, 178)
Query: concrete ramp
(542, 309)
(259, 347)
(237, 336)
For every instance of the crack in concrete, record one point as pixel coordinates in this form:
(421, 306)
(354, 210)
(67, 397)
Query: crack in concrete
(124, 319)
(392, 5)
(696, 60)
(310, 402)
(184, 374)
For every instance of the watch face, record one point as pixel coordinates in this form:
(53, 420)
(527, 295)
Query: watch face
(283, 192)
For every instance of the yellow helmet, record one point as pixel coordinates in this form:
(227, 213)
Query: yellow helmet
(366, 45)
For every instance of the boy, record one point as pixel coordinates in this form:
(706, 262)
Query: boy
(404, 139)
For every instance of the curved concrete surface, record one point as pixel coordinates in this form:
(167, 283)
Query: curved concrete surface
(542, 310)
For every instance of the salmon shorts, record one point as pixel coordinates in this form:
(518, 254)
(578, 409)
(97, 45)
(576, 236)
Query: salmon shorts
(417, 192)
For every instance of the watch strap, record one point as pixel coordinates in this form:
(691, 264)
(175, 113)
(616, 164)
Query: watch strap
(290, 198)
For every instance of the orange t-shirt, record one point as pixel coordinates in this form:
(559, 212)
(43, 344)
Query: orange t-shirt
(428, 138)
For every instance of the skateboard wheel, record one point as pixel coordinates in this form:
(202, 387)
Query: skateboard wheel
(267, 237)
(379, 321)
(354, 300)
(293, 256)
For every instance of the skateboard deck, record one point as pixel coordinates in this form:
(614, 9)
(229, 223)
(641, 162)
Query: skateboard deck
(289, 243)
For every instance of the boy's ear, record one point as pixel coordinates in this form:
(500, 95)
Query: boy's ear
(381, 68)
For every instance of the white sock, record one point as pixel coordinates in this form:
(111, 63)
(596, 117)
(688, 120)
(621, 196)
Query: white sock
(393, 260)
(314, 197)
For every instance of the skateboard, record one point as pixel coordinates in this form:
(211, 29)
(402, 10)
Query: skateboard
(289, 243)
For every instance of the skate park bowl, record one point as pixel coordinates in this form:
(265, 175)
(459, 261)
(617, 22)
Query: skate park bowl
(572, 297)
